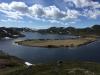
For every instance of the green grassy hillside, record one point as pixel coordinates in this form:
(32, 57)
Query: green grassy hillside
(71, 68)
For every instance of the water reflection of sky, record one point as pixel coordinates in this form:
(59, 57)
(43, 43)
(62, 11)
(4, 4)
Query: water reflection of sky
(44, 55)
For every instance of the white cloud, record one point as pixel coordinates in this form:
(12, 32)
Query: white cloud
(14, 15)
(4, 6)
(18, 6)
(54, 21)
(50, 12)
(14, 10)
(8, 20)
(17, 10)
(91, 13)
(36, 10)
(53, 12)
(11, 14)
(71, 14)
(84, 3)
(95, 4)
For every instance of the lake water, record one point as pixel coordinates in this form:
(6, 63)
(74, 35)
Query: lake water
(90, 52)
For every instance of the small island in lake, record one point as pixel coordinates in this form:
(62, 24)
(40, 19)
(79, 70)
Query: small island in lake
(56, 43)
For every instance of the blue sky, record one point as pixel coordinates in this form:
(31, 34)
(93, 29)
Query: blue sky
(47, 13)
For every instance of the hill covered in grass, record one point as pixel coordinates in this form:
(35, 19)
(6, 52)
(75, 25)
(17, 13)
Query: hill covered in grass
(67, 68)
(10, 32)
(94, 30)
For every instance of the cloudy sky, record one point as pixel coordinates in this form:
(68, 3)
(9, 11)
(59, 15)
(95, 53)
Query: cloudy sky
(47, 13)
